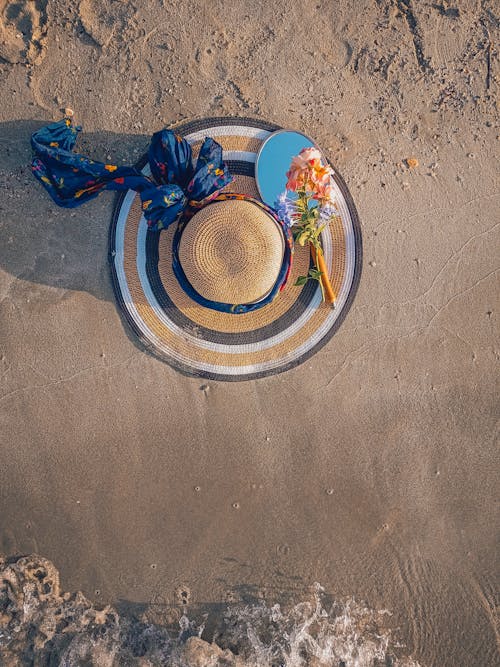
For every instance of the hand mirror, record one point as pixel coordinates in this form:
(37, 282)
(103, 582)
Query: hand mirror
(273, 161)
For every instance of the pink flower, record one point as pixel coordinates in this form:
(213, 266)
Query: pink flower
(308, 154)
(307, 172)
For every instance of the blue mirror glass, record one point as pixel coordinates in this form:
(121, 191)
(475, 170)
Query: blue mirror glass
(273, 161)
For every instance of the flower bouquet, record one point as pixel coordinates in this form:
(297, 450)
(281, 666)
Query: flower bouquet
(309, 210)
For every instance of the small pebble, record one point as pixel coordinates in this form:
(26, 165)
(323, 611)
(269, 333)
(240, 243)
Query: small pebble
(372, 263)
(68, 112)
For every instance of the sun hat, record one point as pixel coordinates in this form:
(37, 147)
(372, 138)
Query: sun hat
(214, 294)
(219, 345)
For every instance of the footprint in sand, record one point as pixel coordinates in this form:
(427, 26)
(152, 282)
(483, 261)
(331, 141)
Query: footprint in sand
(23, 28)
(106, 22)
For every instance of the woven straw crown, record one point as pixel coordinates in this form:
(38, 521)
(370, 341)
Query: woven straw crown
(232, 252)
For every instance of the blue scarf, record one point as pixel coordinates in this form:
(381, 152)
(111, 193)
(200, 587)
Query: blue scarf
(72, 179)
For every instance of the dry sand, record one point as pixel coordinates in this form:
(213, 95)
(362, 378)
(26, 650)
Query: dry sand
(372, 467)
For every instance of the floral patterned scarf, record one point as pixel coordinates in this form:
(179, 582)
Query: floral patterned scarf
(72, 179)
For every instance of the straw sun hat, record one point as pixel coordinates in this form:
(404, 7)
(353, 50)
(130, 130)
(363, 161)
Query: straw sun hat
(232, 252)
(171, 286)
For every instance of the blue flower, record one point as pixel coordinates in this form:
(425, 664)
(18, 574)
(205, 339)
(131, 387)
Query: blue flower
(285, 209)
(326, 212)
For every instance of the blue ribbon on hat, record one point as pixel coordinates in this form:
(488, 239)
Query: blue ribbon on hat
(234, 308)
(72, 179)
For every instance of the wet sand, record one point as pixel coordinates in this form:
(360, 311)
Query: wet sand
(372, 467)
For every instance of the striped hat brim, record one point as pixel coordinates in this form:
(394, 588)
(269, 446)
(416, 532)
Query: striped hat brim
(225, 346)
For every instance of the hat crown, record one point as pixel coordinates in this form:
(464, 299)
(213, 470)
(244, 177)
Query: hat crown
(232, 252)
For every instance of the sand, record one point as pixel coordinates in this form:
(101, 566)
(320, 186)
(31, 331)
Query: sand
(371, 468)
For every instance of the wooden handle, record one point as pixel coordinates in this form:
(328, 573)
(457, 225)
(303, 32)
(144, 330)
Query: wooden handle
(319, 260)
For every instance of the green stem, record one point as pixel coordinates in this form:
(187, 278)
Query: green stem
(316, 255)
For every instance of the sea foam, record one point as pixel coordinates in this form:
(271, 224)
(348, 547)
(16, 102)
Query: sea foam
(41, 625)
